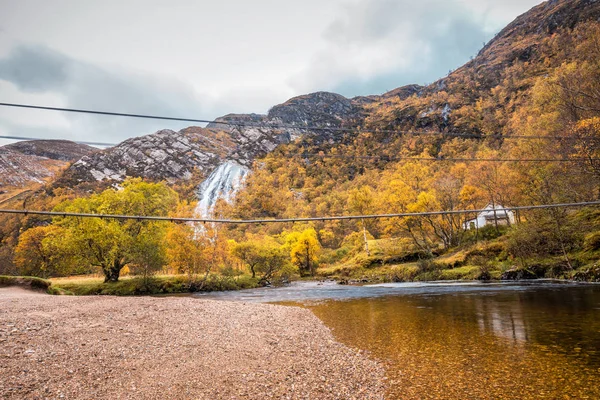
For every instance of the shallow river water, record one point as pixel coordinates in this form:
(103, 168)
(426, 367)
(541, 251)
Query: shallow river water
(463, 340)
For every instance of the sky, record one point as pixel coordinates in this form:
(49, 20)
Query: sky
(203, 59)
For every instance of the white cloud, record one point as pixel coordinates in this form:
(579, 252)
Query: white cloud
(378, 45)
(206, 59)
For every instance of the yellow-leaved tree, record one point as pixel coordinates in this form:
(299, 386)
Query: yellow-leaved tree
(111, 244)
(304, 250)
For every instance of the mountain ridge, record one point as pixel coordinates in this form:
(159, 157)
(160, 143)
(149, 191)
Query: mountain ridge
(443, 106)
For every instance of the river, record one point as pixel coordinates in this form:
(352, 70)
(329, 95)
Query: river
(463, 340)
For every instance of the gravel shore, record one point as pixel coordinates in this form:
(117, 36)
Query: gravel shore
(172, 348)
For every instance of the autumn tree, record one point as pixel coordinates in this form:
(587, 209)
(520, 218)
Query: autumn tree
(187, 246)
(361, 202)
(263, 255)
(39, 252)
(111, 244)
(250, 253)
(304, 249)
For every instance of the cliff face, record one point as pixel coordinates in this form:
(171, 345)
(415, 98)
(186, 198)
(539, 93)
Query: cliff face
(171, 156)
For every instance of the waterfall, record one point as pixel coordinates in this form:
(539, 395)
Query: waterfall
(222, 183)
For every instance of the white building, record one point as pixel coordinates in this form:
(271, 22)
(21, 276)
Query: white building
(488, 217)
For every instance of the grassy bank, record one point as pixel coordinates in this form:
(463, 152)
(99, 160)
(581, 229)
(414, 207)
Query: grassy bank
(27, 282)
(128, 286)
(481, 261)
(159, 284)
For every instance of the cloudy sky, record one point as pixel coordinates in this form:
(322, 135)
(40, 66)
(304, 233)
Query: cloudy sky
(203, 59)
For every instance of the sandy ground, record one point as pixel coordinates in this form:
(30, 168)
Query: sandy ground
(172, 348)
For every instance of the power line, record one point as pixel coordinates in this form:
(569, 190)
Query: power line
(286, 220)
(382, 158)
(282, 126)
(408, 158)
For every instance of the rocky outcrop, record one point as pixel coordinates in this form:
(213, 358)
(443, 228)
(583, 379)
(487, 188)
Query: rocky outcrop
(238, 139)
(164, 155)
(291, 119)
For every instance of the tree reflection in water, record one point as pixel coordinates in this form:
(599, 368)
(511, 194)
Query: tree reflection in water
(538, 343)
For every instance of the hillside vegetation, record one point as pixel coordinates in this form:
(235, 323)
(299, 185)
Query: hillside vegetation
(542, 82)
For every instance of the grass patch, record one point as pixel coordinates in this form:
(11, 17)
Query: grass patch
(160, 284)
(468, 272)
(380, 274)
(452, 260)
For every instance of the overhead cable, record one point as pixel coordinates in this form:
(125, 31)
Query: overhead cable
(283, 126)
(380, 157)
(461, 159)
(286, 220)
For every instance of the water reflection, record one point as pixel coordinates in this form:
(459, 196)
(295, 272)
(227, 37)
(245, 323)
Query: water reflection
(508, 324)
(464, 340)
(536, 343)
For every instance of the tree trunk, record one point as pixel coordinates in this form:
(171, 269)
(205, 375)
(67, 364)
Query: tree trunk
(495, 217)
(561, 239)
(112, 272)
(365, 238)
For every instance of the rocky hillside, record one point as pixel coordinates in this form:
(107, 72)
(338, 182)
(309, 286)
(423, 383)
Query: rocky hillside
(171, 156)
(61, 150)
(28, 163)
(321, 109)
(18, 169)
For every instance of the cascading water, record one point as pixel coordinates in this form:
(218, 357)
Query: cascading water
(222, 183)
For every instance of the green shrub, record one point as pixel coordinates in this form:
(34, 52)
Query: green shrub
(428, 265)
(591, 242)
(469, 272)
(435, 275)
(25, 281)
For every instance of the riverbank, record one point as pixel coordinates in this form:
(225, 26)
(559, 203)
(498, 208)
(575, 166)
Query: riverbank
(152, 348)
(156, 284)
(131, 285)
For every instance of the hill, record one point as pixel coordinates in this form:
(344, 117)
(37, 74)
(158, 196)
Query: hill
(27, 165)
(61, 150)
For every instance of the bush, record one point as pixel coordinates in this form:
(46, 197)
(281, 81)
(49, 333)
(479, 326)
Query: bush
(403, 273)
(591, 242)
(488, 232)
(516, 274)
(330, 256)
(429, 276)
(25, 281)
(468, 272)
(428, 265)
